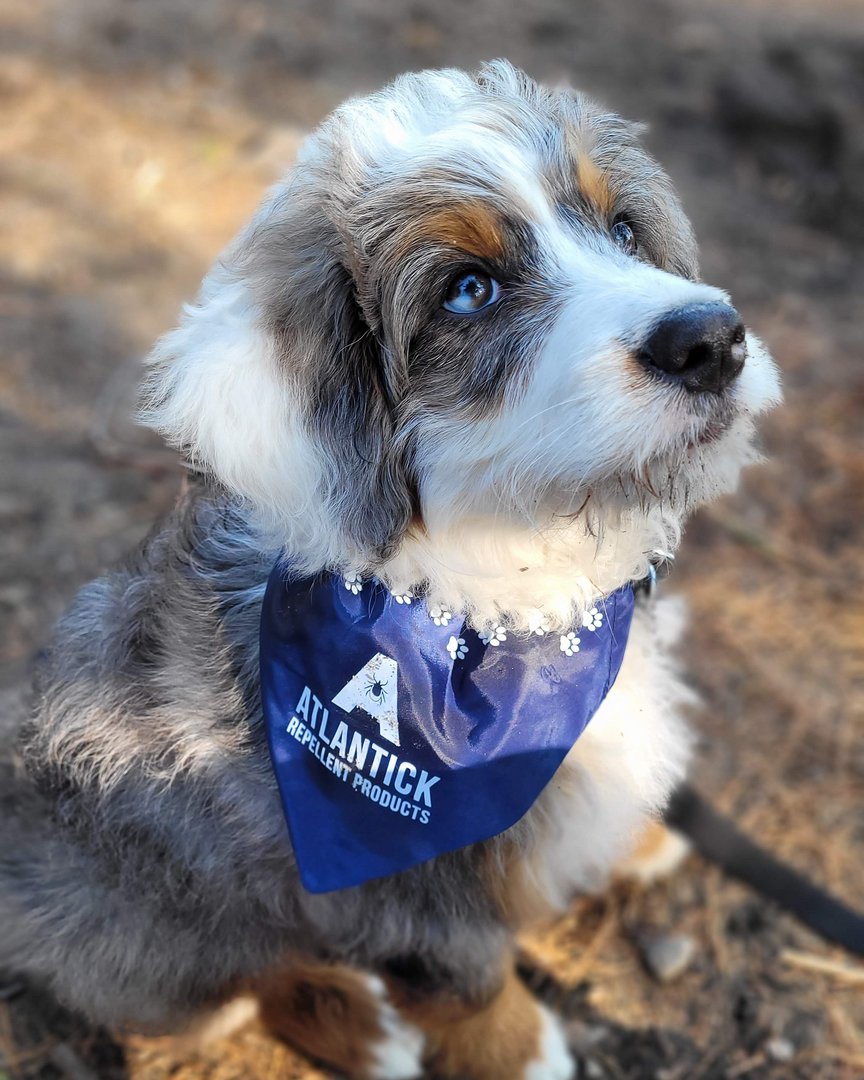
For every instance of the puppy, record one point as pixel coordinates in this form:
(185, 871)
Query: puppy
(461, 354)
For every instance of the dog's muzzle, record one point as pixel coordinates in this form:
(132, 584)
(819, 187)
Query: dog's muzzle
(700, 347)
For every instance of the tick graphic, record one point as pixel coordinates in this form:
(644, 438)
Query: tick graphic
(376, 689)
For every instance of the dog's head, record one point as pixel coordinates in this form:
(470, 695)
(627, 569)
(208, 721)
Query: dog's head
(465, 336)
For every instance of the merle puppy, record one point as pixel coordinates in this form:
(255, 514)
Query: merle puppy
(461, 356)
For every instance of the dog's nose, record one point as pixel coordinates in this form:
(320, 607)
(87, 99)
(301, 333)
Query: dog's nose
(700, 346)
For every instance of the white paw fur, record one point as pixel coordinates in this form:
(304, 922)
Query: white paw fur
(555, 1061)
(399, 1055)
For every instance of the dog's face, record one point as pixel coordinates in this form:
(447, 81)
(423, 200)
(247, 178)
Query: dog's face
(473, 305)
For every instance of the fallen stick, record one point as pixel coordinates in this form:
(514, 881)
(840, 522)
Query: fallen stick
(823, 965)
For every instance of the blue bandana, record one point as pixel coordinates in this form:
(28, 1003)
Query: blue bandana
(398, 733)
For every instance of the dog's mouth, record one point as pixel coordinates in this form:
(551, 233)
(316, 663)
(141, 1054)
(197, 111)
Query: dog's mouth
(710, 433)
(713, 426)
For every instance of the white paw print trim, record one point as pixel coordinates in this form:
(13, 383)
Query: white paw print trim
(593, 619)
(457, 648)
(353, 583)
(403, 597)
(569, 644)
(439, 615)
(494, 636)
(538, 623)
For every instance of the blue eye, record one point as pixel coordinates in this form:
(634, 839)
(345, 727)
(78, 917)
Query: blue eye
(624, 237)
(471, 291)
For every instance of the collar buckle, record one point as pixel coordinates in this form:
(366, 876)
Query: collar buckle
(659, 568)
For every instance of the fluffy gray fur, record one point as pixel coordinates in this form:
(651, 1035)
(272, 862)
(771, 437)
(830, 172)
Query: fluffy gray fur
(145, 866)
(146, 869)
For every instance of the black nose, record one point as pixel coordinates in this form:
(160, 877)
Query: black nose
(700, 346)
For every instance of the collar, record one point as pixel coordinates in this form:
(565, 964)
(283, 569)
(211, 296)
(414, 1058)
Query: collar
(398, 733)
(659, 568)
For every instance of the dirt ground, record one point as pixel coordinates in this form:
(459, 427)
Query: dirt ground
(138, 135)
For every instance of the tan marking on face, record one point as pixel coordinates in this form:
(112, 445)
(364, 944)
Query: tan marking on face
(329, 1013)
(594, 185)
(499, 1039)
(470, 227)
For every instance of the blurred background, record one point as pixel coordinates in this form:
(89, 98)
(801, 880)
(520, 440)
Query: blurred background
(139, 134)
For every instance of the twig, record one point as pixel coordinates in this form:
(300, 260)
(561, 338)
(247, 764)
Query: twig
(824, 966)
(824, 1052)
(743, 1067)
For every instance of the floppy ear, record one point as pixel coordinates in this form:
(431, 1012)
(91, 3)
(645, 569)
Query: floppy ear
(275, 383)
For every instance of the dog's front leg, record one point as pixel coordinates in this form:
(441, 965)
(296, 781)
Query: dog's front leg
(370, 1028)
(510, 1036)
(341, 1018)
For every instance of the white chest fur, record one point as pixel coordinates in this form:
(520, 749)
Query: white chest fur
(622, 769)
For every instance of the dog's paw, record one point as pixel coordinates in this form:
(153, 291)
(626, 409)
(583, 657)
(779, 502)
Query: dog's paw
(555, 1062)
(658, 855)
(399, 1054)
